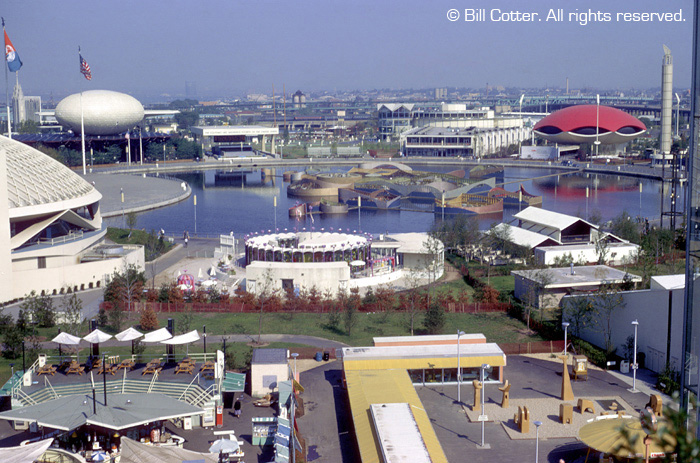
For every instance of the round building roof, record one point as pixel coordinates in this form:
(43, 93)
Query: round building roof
(577, 124)
(38, 184)
(104, 112)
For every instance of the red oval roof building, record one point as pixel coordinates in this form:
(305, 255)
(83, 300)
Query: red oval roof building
(577, 124)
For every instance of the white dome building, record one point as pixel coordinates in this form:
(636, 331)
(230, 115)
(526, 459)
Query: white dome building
(104, 112)
(51, 222)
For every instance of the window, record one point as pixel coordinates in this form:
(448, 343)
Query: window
(41, 262)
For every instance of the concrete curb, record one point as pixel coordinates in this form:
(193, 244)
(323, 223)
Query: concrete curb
(148, 207)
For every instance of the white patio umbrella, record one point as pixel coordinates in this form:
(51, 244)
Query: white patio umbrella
(200, 274)
(224, 445)
(129, 334)
(186, 338)
(67, 339)
(212, 271)
(157, 335)
(95, 338)
(208, 283)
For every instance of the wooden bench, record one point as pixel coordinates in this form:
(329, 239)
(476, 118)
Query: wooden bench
(585, 405)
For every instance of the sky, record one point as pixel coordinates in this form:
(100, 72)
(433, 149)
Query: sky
(228, 48)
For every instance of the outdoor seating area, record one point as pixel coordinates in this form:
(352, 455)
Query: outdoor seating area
(187, 365)
(152, 367)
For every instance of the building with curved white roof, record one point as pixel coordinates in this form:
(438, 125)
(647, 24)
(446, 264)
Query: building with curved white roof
(51, 222)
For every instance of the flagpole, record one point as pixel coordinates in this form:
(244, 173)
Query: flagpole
(82, 130)
(7, 92)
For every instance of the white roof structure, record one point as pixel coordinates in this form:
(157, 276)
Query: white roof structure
(399, 436)
(157, 335)
(570, 277)
(526, 238)
(409, 243)
(668, 282)
(548, 219)
(186, 338)
(394, 106)
(233, 130)
(67, 339)
(97, 336)
(128, 334)
(38, 184)
(421, 351)
(25, 453)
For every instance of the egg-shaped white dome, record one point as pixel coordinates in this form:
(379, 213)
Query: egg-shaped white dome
(104, 112)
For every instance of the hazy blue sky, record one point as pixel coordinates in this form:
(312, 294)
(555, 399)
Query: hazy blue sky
(150, 48)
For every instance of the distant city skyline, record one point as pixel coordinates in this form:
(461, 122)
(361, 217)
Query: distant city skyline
(227, 49)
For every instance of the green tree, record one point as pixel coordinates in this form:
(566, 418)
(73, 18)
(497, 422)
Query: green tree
(607, 300)
(27, 126)
(266, 292)
(12, 342)
(72, 319)
(131, 219)
(352, 305)
(579, 312)
(149, 319)
(186, 119)
(125, 286)
(434, 320)
(624, 227)
(41, 309)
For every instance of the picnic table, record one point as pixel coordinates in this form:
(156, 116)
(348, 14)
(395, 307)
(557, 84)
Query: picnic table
(209, 365)
(75, 367)
(126, 363)
(107, 368)
(152, 367)
(186, 366)
(46, 370)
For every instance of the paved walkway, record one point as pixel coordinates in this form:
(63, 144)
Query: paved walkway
(140, 192)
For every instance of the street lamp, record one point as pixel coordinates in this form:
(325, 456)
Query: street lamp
(634, 363)
(537, 440)
(483, 417)
(459, 370)
(565, 325)
(294, 356)
(678, 111)
(522, 122)
(597, 123)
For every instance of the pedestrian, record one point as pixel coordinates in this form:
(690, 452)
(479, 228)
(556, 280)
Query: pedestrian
(184, 234)
(186, 240)
(237, 409)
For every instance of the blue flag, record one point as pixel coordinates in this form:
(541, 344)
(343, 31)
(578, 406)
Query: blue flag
(11, 55)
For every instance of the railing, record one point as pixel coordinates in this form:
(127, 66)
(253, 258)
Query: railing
(153, 381)
(204, 395)
(196, 378)
(21, 395)
(48, 383)
(72, 236)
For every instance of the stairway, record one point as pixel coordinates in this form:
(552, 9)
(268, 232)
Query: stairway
(195, 394)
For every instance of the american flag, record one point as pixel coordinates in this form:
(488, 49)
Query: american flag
(85, 67)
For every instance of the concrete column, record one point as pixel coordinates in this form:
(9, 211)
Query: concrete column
(273, 145)
(6, 288)
(264, 142)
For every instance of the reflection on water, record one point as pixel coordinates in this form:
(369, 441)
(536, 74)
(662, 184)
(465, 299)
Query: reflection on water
(241, 200)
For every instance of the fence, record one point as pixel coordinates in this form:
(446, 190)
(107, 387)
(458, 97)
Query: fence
(537, 347)
(478, 307)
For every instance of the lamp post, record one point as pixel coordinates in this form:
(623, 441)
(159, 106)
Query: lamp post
(520, 138)
(483, 417)
(634, 363)
(678, 111)
(294, 356)
(537, 440)
(597, 123)
(204, 335)
(565, 325)
(459, 370)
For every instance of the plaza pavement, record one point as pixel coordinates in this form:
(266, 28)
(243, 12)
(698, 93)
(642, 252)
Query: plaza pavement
(327, 414)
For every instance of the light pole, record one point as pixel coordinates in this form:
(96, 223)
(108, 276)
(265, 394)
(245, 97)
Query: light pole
(537, 440)
(483, 416)
(565, 325)
(294, 356)
(678, 111)
(459, 370)
(522, 122)
(634, 363)
(195, 215)
(597, 123)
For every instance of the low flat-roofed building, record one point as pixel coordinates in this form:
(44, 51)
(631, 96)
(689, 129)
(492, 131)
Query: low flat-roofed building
(459, 141)
(368, 388)
(617, 253)
(268, 368)
(436, 339)
(429, 364)
(544, 288)
(209, 136)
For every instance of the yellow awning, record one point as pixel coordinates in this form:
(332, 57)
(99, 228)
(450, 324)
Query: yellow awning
(424, 363)
(381, 387)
